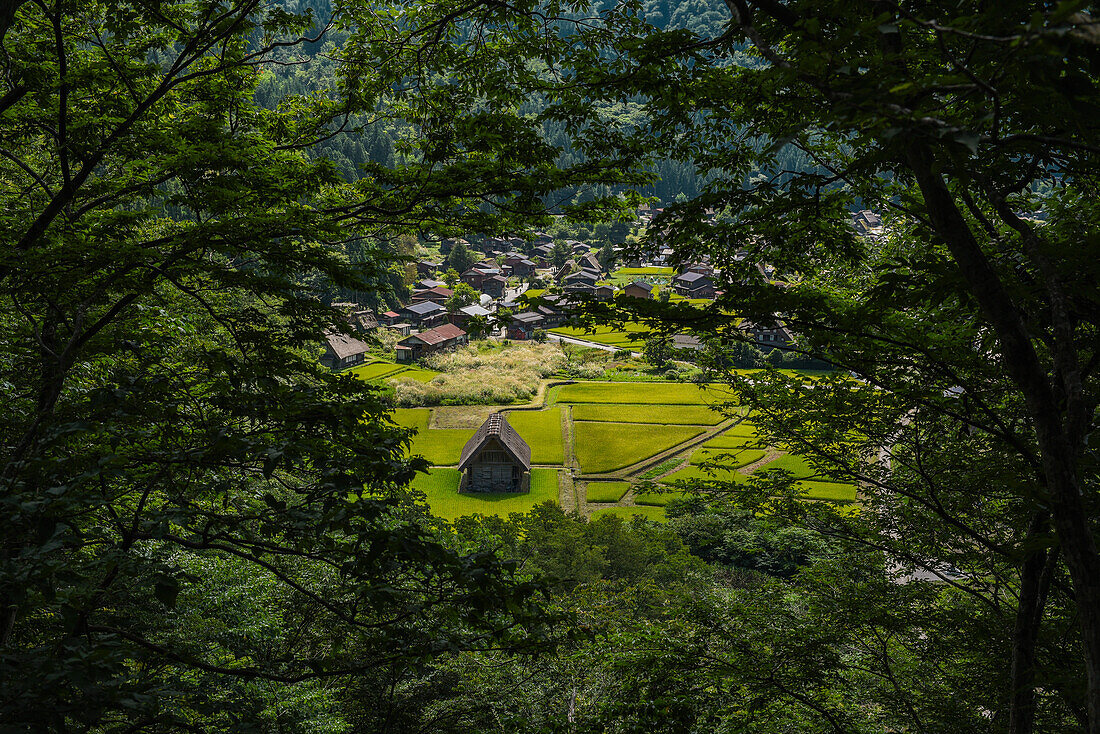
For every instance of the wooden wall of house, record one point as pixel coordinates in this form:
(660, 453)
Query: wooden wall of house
(493, 470)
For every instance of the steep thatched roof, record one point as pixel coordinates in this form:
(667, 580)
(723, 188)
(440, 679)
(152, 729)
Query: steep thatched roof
(497, 426)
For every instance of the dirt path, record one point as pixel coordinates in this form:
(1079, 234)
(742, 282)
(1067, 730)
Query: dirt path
(567, 492)
(568, 437)
(771, 455)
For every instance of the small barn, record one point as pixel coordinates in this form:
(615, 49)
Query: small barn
(495, 459)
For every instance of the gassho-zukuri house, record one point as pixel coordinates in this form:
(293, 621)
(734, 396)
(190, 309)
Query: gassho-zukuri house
(495, 459)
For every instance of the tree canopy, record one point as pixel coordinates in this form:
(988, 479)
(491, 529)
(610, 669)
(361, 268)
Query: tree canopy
(175, 460)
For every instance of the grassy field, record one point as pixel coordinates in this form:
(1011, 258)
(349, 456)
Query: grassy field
(377, 370)
(693, 472)
(650, 513)
(603, 447)
(631, 337)
(607, 491)
(684, 415)
(643, 393)
(729, 458)
(541, 429)
(440, 447)
(638, 272)
(834, 491)
(796, 465)
(418, 374)
(441, 489)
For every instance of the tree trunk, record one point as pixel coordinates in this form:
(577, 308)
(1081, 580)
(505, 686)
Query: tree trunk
(1035, 574)
(1048, 416)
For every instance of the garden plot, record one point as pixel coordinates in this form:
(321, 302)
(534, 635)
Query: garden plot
(604, 447)
(691, 415)
(440, 486)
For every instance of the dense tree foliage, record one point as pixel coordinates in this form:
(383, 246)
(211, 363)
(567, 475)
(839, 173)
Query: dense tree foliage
(198, 520)
(970, 323)
(204, 530)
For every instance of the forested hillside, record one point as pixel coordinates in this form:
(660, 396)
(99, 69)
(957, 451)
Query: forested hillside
(374, 138)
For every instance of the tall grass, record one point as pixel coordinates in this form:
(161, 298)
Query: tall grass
(470, 377)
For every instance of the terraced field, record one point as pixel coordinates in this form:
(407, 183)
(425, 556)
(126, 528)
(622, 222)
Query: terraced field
(644, 393)
(606, 491)
(618, 431)
(604, 447)
(379, 371)
(632, 337)
(692, 415)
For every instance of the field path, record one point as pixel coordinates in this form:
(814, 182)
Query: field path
(772, 454)
(567, 437)
(567, 492)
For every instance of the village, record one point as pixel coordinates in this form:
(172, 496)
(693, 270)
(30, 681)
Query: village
(617, 434)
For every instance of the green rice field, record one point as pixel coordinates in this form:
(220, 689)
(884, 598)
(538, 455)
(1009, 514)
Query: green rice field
(441, 488)
(796, 465)
(606, 491)
(740, 431)
(415, 373)
(657, 499)
(697, 415)
(834, 491)
(541, 429)
(441, 447)
(629, 338)
(377, 370)
(728, 458)
(643, 393)
(637, 272)
(603, 447)
(694, 472)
